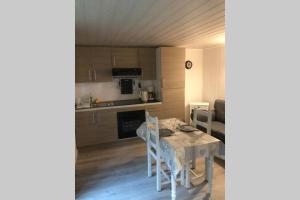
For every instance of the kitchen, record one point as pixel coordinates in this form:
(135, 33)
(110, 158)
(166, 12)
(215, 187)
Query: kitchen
(141, 61)
(114, 87)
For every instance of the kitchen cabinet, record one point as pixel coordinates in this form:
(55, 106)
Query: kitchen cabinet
(95, 127)
(83, 71)
(101, 63)
(155, 110)
(172, 67)
(173, 103)
(147, 61)
(172, 76)
(124, 57)
(92, 64)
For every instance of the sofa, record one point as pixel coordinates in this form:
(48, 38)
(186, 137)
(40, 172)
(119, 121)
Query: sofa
(218, 120)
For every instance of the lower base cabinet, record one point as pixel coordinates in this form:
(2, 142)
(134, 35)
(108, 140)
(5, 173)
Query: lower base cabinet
(95, 127)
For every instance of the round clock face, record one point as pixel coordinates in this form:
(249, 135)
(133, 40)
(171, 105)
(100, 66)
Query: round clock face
(188, 64)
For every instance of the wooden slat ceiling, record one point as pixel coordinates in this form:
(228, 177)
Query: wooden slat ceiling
(186, 23)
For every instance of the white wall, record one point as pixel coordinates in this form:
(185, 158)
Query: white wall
(193, 79)
(214, 74)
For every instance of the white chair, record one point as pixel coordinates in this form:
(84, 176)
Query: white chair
(206, 124)
(208, 161)
(153, 149)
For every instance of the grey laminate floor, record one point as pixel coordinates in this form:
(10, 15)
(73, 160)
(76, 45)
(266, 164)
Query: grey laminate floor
(119, 172)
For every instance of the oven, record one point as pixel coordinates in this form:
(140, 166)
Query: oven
(128, 122)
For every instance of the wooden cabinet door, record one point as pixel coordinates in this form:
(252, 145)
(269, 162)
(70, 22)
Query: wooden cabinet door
(101, 64)
(95, 127)
(173, 103)
(124, 57)
(155, 110)
(86, 130)
(172, 67)
(83, 72)
(147, 61)
(107, 125)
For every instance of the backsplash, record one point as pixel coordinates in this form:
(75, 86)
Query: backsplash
(110, 91)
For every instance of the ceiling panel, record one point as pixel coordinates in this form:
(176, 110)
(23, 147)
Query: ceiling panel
(186, 23)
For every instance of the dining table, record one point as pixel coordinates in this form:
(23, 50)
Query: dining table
(181, 147)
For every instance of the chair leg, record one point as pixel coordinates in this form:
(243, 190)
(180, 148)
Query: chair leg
(173, 187)
(149, 162)
(158, 175)
(187, 175)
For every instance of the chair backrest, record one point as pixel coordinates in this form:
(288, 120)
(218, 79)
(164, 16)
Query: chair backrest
(152, 130)
(206, 124)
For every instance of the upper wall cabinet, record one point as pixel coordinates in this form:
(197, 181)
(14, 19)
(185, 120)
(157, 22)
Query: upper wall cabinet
(147, 61)
(172, 67)
(83, 71)
(101, 63)
(124, 57)
(92, 64)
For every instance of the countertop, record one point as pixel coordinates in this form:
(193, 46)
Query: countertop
(117, 104)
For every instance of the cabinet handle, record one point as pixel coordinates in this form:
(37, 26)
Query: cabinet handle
(114, 60)
(90, 78)
(95, 75)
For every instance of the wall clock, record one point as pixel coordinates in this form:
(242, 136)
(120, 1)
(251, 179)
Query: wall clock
(188, 64)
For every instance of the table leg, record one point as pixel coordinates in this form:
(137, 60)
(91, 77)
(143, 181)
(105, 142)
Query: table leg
(210, 173)
(173, 187)
(193, 159)
(187, 175)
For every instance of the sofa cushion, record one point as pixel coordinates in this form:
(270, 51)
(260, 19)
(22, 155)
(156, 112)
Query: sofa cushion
(218, 135)
(220, 110)
(218, 126)
(218, 130)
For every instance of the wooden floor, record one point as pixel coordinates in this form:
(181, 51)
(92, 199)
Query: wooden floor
(119, 172)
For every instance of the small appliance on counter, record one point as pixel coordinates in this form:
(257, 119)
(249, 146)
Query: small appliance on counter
(151, 94)
(144, 96)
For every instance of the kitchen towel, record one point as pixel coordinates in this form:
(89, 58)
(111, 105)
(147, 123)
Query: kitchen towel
(126, 86)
